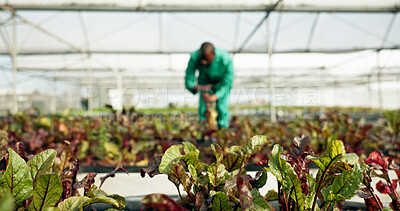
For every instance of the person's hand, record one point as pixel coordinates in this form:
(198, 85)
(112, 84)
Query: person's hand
(209, 98)
(203, 88)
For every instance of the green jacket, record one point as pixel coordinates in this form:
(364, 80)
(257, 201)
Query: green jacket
(219, 73)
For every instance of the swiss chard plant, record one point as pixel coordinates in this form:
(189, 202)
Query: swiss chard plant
(42, 181)
(379, 166)
(339, 176)
(222, 185)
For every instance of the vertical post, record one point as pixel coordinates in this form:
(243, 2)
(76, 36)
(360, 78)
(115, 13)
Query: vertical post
(321, 88)
(120, 97)
(378, 75)
(369, 90)
(53, 102)
(398, 91)
(90, 87)
(14, 63)
(270, 76)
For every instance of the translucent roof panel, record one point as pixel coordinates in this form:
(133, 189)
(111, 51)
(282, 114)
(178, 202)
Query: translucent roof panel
(46, 32)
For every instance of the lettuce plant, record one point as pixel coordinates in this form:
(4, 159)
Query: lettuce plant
(223, 185)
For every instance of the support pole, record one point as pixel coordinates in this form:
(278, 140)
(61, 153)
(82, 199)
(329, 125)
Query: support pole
(90, 86)
(120, 97)
(14, 63)
(369, 91)
(53, 104)
(270, 76)
(378, 75)
(398, 91)
(322, 73)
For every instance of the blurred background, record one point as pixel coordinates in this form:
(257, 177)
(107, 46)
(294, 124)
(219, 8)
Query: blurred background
(82, 55)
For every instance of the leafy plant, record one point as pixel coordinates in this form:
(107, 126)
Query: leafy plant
(34, 185)
(379, 167)
(339, 176)
(132, 138)
(223, 185)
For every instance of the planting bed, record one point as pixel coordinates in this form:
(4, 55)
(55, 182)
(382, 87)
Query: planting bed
(337, 162)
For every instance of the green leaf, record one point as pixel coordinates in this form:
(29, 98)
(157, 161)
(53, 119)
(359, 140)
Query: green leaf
(192, 171)
(286, 175)
(3, 143)
(51, 209)
(178, 176)
(232, 162)
(334, 152)
(7, 202)
(310, 198)
(259, 202)
(47, 191)
(255, 144)
(235, 150)
(350, 159)
(260, 179)
(17, 178)
(220, 202)
(119, 199)
(192, 158)
(216, 174)
(171, 156)
(271, 195)
(345, 186)
(98, 195)
(74, 203)
(41, 163)
(218, 152)
(189, 147)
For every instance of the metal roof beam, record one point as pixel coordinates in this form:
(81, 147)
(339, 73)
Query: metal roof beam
(327, 51)
(216, 6)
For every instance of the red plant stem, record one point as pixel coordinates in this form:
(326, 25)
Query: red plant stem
(284, 196)
(180, 196)
(320, 183)
(290, 201)
(286, 202)
(373, 195)
(191, 197)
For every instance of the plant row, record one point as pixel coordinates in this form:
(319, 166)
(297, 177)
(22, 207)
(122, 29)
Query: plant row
(131, 138)
(225, 184)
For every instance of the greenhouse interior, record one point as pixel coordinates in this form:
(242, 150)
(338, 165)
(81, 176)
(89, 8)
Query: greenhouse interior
(199, 105)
